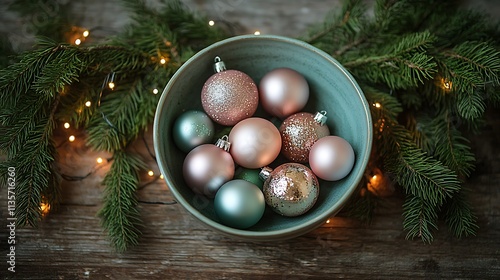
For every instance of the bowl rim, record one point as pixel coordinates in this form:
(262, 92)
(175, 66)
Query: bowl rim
(285, 233)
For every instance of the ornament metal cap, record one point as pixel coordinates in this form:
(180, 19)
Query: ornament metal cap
(320, 117)
(265, 173)
(219, 65)
(223, 143)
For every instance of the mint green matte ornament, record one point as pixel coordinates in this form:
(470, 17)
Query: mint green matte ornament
(239, 204)
(191, 129)
(250, 175)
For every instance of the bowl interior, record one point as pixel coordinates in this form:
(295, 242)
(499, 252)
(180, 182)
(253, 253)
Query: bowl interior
(331, 89)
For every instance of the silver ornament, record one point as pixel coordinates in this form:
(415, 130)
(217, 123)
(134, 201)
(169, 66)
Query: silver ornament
(191, 129)
(239, 204)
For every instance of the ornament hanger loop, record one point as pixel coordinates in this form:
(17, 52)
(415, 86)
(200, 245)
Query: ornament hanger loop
(223, 143)
(320, 117)
(219, 65)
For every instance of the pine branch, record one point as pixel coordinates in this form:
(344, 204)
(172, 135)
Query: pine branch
(119, 214)
(459, 216)
(420, 175)
(401, 65)
(35, 172)
(452, 148)
(472, 69)
(420, 218)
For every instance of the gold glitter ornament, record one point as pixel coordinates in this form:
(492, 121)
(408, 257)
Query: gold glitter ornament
(299, 132)
(291, 189)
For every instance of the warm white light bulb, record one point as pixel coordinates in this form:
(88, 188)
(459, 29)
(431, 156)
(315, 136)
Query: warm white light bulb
(256, 32)
(88, 103)
(66, 125)
(151, 173)
(163, 61)
(78, 42)
(86, 33)
(155, 91)
(71, 138)
(211, 23)
(99, 160)
(377, 105)
(111, 85)
(161, 176)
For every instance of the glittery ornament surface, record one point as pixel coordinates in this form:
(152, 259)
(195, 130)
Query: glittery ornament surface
(291, 189)
(229, 97)
(299, 132)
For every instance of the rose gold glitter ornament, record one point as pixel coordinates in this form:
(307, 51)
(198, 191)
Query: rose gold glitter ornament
(229, 96)
(299, 132)
(207, 167)
(255, 142)
(291, 189)
(283, 91)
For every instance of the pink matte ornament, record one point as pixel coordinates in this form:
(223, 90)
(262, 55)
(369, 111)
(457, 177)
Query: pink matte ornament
(283, 91)
(207, 167)
(229, 96)
(255, 142)
(331, 158)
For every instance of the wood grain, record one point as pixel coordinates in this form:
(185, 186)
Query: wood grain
(70, 244)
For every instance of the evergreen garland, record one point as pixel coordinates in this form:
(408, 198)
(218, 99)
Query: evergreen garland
(429, 69)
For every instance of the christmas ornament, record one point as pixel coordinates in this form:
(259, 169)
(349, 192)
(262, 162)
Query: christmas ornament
(191, 129)
(208, 166)
(283, 92)
(250, 175)
(291, 189)
(229, 96)
(331, 158)
(299, 132)
(239, 204)
(255, 142)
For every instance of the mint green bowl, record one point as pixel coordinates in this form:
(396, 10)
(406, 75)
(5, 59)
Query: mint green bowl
(332, 89)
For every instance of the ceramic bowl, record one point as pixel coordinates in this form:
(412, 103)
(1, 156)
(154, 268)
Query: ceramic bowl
(332, 89)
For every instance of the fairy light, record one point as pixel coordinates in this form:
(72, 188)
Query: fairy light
(163, 61)
(44, 208)
(151, 173)
(111, 85)
(377, 105)
(328, 221)
(99, 160)
(257, 32)
(86, 33)
(78, 41)
(446, 84)
(71, 138)
(211, 23)
(66, 125)
(161, 176)
(88, 103)
(155, 91)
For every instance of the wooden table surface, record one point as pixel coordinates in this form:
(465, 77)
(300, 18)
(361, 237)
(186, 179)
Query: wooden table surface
(70, 243)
